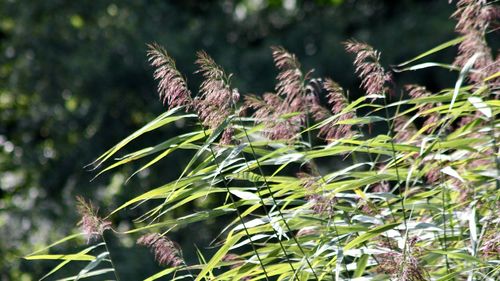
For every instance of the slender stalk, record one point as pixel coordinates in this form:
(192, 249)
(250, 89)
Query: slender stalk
(110, 258)
(398, 177)
(315, 168)
(238, 211)
(266, 184)
(330, 220)
(495, 158)
(266, 211)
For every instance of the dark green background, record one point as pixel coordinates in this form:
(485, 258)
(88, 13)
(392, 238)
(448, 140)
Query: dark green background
(74, 80)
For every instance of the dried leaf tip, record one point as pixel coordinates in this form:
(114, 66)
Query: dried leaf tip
(166, 251)
(92, 226)
(172, 87)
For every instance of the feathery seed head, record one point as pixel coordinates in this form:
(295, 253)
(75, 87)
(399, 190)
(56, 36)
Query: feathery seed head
(491, 244)
(322, 204)
(337, 100)
(367, 63)
(290, 79)
(431, 122)
(166, 251)
(269, 111)
(336, 97)
(473, 19)
(236, 260)
(214, 104)
(227, 136)
(92, 226)
(433, 175)
(404, 129)
(172, 87)
(403, 266)
(334, 131)
(382, 186)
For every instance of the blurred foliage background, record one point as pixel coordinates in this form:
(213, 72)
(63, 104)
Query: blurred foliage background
(74, 80)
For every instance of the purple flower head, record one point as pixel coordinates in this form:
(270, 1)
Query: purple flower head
(336, 97)
(166, 252)
(227, 136)
(404, 129)
(473, 19)
(172, 87)
(290, 83)
(269, 110)
(215, 102)
(402, 266)
(367, 63)
(91, 225)
(334, 131)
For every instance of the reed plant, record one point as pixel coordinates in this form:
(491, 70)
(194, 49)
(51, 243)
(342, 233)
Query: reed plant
(401, 183)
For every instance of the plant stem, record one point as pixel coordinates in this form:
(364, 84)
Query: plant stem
(110, 258)
(266, 184)
(237, 211)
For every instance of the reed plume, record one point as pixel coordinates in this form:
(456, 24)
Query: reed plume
(368, 67)
(337, 101)
(416, 92)
(91, 225)
(166, 252)
(473, 19)
(172, 87)
(216, 98)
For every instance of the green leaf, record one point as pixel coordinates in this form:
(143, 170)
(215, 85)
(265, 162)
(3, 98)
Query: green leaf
(361, 265)
(244, 195)
(460, 256)
(434, 50)
(461, 77)
(68, 257)
(481, 106)
(159, 192)
(429, 64)
(161, 274)
(170, 143)
(92, 265)
(217, 257)
(450, 276)
(168, 151)
(89, 274)
(369, 235)
(208, 142)
(159, 121)
(67, 238)
(66, 261)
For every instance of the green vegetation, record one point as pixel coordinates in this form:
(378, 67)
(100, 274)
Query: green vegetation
(309, 182)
